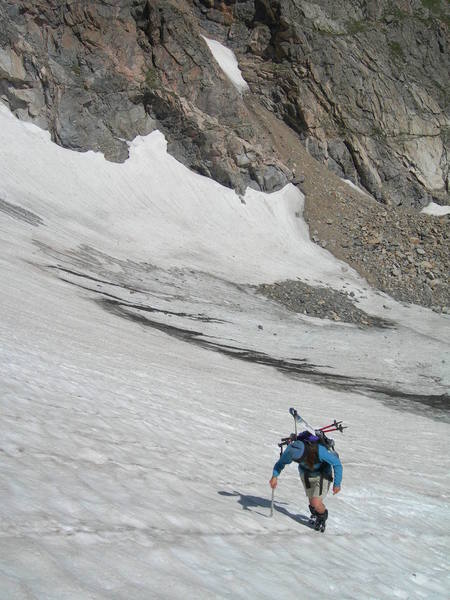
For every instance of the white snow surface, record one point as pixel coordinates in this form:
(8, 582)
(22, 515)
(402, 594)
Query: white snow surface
(145, 386)
(436, 210)
(228, 63)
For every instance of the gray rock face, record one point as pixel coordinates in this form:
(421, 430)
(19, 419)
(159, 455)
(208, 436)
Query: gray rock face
(363, 83)
(76, 69)
(202, 114)
(97, 73)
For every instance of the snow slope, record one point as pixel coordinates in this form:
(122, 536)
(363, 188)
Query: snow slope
(145, 386)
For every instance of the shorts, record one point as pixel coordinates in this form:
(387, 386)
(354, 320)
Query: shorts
(313, 491)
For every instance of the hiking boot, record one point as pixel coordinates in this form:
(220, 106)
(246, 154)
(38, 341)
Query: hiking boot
(321, 519)
(313, 515)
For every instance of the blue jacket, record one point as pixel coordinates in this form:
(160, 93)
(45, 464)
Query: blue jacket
(295, 451)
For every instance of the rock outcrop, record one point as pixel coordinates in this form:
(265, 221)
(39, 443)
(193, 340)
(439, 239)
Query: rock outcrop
(96, 74)
(75, 69)
(365, 84)
(397, 250)
(200, 110)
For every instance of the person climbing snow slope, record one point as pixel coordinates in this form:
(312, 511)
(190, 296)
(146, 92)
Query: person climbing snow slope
(315, 465)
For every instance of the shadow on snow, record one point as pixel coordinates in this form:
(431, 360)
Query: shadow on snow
(251, 503)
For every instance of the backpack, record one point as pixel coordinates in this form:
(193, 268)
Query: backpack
(308, 439)
(312, 436)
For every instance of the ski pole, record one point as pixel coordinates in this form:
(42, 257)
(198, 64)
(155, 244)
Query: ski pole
(330, 428)
(271, 503)
(334, 424)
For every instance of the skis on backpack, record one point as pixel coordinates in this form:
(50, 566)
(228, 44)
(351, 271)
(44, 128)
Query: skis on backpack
(335, 426)
(300, 421)
(309, 433)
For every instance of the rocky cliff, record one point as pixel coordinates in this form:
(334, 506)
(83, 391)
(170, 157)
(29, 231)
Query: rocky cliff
(99, 73)
(355, 89)
(365, 84)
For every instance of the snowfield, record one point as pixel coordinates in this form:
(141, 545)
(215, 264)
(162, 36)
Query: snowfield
(145, 386)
